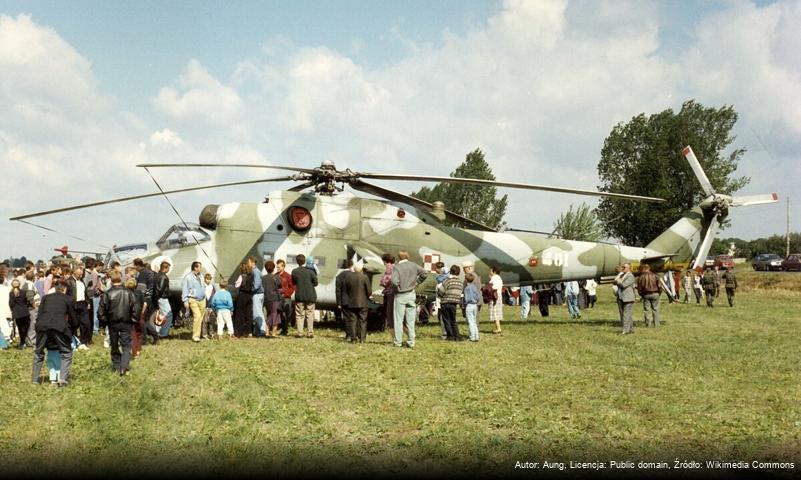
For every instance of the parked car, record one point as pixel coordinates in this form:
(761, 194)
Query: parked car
(723, 261)
(792, 262)
(767, 261)
(710, 261)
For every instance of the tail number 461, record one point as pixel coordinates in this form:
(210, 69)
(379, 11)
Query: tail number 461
(554, 258)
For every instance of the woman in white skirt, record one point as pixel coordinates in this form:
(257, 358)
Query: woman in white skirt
(496, 310)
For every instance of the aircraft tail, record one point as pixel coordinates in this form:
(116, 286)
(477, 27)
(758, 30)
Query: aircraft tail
(691, 236)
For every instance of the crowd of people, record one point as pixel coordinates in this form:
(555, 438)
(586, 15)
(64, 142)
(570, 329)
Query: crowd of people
(61, 308)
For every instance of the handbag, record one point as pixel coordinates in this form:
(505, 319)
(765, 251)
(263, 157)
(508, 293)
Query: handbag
(158, 318)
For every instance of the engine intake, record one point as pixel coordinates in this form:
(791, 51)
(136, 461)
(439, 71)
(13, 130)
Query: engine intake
(208, 217)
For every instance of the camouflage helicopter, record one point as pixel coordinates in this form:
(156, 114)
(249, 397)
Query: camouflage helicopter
(332, 225)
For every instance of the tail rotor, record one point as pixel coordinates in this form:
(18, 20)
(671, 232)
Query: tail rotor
(717, 205)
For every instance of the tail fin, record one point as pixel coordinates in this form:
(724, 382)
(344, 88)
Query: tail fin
(692, 236)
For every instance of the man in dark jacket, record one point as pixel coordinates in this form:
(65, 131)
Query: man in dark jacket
(357, 290)
(161, 297)
(77, 290)
(56, 312)
(118, 310)
(145, 283)
(342, 301)
(305, 279)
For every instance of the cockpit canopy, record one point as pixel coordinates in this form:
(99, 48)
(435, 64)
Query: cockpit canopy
(180, 235)
(125, 254)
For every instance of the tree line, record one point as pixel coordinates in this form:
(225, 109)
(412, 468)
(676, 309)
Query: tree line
(750, 248)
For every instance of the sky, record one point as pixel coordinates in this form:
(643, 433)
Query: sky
(88, 90)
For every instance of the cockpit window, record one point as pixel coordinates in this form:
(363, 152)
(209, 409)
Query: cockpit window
(179, 236)
(125, 254)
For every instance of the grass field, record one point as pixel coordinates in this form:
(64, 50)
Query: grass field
(718, 383)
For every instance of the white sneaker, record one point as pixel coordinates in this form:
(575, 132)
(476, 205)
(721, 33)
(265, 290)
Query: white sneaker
(82, 347)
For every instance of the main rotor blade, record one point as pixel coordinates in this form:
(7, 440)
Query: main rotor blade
(147, 195)
(493, 183)
(417, 203)
(706, 244)
(699, 172)
(745, 200)
(238, 165)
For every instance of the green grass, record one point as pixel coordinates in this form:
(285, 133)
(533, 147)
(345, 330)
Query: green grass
(710, 383)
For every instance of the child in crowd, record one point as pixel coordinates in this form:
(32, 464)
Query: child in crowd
(207, 327)
(223, 304)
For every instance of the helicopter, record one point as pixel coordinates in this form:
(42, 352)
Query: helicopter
(319, 219)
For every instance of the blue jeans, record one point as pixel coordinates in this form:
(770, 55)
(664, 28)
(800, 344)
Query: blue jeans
(405, 309)
(95, 306)
(166, 310)
(525, 306)
(572, 306)
(258, 315)
(470, 312)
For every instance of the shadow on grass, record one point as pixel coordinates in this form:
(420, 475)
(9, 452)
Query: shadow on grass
(553, 321)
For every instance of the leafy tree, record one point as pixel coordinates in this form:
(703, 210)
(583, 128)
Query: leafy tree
(475, 202)
(776, 244)
(643, 157)
(720, 246)
(580, 224)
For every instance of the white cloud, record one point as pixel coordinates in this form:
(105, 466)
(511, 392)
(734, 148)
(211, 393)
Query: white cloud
(46, 87)
(199, 96)
(62, 141)
(166, 137)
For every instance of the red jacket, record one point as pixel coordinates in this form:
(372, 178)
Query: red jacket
(287, 285)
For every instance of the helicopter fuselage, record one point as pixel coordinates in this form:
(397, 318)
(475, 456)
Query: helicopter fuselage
(337, 227)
